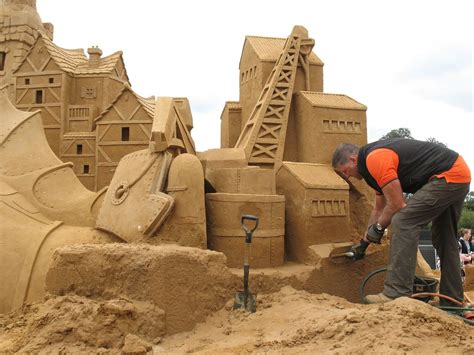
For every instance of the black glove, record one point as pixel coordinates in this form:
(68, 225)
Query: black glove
(359, 249)
(375, 233)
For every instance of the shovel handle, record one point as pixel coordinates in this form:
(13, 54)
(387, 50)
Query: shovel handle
(248, 231)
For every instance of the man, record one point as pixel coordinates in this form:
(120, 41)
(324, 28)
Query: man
(439, 180)
(465, 242)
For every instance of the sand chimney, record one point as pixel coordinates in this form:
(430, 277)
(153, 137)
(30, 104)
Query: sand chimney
(94, 55)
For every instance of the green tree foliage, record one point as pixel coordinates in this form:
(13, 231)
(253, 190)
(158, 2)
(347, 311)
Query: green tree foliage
(467, 219)
(406, 133)
(434, 140)
(398, 133)
(469, 201)
(467, 214)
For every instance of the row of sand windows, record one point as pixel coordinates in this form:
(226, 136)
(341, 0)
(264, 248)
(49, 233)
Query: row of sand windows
(341, 126)
(248, 74)
(125, 136)
(328, 208)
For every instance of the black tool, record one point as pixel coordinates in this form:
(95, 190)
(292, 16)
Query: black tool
(244, 299)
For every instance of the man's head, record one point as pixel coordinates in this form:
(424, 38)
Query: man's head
(344, 160)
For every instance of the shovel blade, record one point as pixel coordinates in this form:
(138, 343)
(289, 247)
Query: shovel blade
(341, 254)
(245, 300)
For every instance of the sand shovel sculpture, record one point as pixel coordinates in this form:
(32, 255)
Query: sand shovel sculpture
(244, 299)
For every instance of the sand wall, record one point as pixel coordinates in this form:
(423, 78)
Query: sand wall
(186, 283)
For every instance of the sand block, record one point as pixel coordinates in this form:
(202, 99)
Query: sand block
(323, 121)
(222, 158)
(225, 232)
(248, 180)
(231, 118)
(187, 283)
(317, 207)
(186, 225)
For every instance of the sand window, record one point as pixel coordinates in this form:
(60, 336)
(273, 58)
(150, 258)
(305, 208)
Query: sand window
(85, 169)
(79, 149)
(51, 80)
(27, 81)
(39, 96)
(125, 134)
(3, 57)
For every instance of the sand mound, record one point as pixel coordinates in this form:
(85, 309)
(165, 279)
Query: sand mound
(75, 323)
(289, 321)
(187, 283)
(292, 321)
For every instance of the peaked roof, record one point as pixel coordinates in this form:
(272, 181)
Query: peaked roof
(268, 49)
(315, 176)
(66, 59)
(148, 104)
(322, 99)
(74, 61)
(104, 66)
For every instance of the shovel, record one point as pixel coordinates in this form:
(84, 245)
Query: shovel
(244, 299)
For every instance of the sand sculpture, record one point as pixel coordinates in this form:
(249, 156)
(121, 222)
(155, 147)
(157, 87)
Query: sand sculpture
(84, 159)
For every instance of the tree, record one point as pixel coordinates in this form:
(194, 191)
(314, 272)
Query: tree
(469, 201)
(467, 215)
(397, 133)
(435, 141)
(467, 219)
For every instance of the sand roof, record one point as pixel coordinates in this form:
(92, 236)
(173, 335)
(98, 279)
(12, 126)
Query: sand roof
(316, 176)
(321, 99)
(74, 61)
(268, 49)
(105, 65)
(66, 59)
(148, 104)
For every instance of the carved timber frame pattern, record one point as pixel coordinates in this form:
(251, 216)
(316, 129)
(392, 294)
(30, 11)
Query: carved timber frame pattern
(263, 137)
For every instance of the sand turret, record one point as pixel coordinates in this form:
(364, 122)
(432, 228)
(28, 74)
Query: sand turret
(20, 25)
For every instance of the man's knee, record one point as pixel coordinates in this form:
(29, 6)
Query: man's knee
(400, 220)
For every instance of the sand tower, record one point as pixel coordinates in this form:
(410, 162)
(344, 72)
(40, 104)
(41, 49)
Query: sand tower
(20, 25)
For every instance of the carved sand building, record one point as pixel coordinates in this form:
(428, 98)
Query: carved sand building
(288, 127)
(75, 94)
(68, 119)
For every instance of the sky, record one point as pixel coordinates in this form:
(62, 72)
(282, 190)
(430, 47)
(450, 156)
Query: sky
(410, 62)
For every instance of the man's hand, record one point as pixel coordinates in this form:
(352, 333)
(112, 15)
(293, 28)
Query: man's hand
(359, 249)
(375, 233)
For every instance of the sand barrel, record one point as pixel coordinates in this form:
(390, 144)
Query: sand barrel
(225, 233)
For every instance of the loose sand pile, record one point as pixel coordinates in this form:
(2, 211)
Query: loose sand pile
(288, 321)
(74, 323)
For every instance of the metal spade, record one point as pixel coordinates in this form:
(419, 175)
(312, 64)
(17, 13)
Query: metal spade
(244, 299)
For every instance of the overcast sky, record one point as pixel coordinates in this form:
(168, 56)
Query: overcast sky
(410, 62)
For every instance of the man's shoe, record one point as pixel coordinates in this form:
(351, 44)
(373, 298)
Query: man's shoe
(378, 298)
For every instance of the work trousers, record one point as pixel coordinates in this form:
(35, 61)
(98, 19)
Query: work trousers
(438, 202)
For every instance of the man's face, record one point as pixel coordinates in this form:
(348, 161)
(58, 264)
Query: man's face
(350, 168)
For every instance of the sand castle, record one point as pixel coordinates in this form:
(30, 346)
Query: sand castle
(84, 159)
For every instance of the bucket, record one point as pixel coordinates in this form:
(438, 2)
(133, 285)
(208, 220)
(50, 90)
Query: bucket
(225, 234)
(423, 284)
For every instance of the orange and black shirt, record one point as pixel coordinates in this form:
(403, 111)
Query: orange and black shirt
(412, 162)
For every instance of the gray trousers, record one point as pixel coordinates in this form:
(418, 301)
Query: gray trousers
(440, 203)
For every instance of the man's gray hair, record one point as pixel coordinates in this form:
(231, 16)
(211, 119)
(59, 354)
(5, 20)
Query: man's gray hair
(342, 153)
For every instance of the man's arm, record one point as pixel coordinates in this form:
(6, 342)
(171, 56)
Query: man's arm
(394, 202)
(380, 203)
